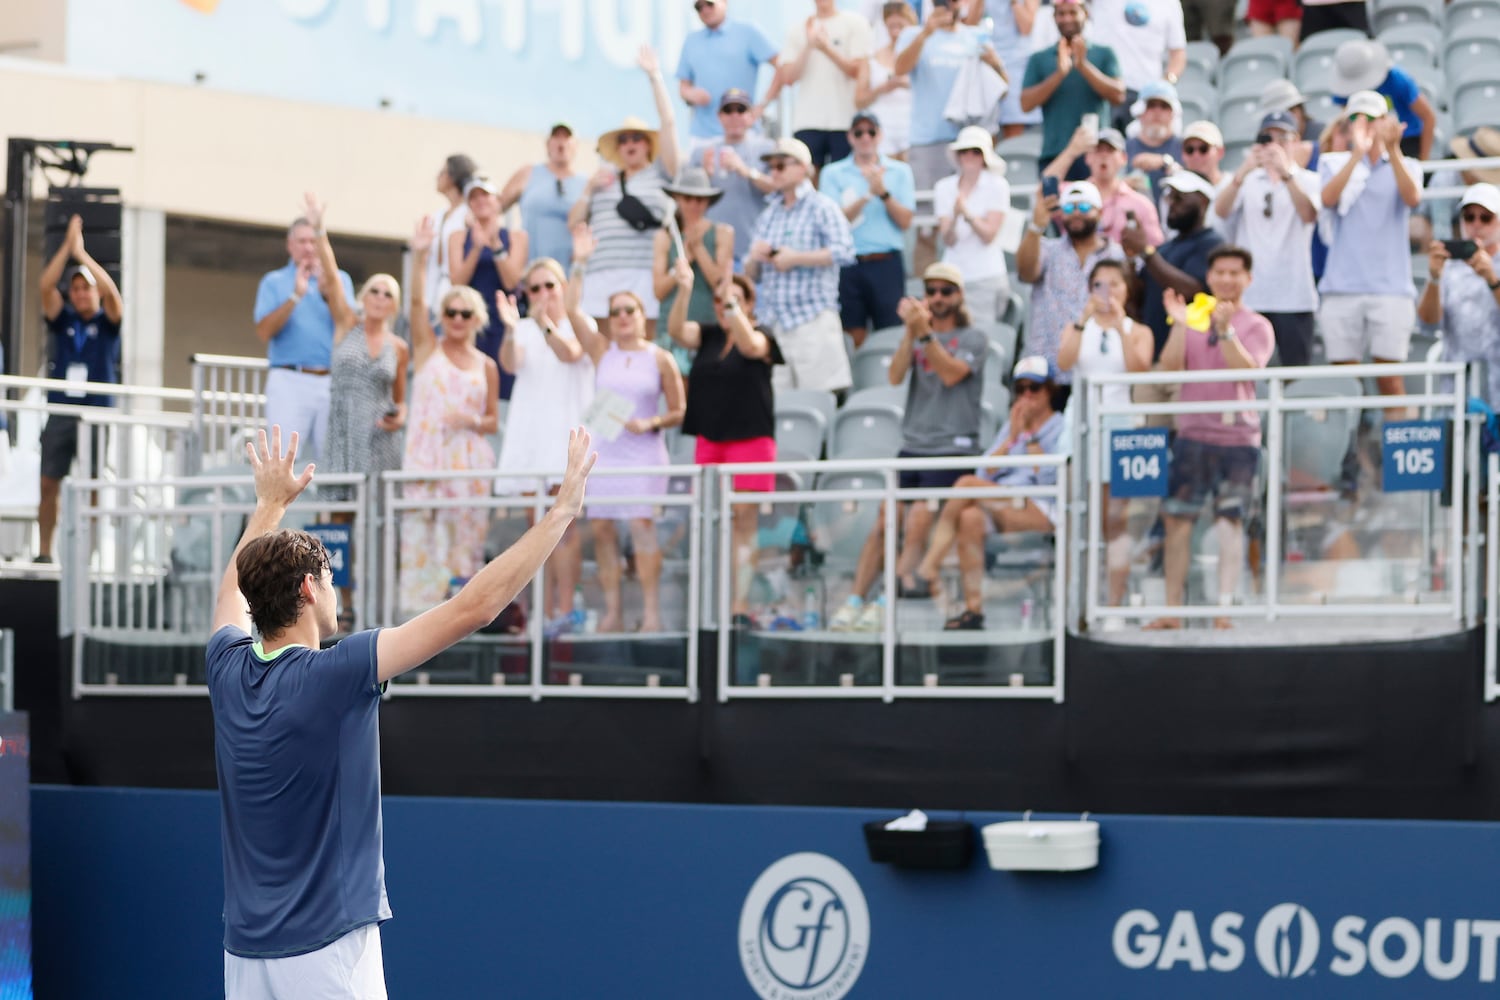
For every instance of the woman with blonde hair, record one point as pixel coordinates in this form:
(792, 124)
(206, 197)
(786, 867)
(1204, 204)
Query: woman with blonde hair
(455, 403)
(883, 91)
(640, 373)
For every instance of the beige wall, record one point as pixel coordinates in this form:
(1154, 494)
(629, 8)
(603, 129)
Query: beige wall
(29, 21)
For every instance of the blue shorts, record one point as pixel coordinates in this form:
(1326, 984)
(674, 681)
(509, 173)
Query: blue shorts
(870, 290)
(1200, 470)
(929, 479)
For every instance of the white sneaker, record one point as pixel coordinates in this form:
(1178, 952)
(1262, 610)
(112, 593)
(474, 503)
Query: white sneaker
(845, 618)
(872, 618)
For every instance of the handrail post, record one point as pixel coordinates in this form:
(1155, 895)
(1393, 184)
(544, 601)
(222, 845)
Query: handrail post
(1274, 447)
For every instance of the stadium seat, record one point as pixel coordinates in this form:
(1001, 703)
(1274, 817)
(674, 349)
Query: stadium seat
(881, 395)
(1313, 66)
(1315, 442)
(1465, 12)
(800, 429)
(870, 430)
(1320, 105)
(1389, 13)
(1204, 56)
(887, 339)
(682, 449)
(1021, 154)
(1240, 115)
(1195, 80)
(1015, 310)
(1474, 97)
(996, 394)
(1253, 63)
(1197, 105)
(815, 399)
(840, 527)
(870, 366)
(1413, 43)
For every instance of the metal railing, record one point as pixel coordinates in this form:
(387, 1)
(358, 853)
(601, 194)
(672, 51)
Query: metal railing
(1434, 595)
(229, 401)
(1491, 577)
(931, 680)
(7, 670)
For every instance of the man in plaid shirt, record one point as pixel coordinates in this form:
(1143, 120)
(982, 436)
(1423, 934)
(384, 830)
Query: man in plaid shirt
(801, 241)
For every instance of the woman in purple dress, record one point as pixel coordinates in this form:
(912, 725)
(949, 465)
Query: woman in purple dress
(633, 376)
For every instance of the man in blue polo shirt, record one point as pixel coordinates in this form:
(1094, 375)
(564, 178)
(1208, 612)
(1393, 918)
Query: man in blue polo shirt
(725, 55)
(878, 196)
(297, 738)
(83, 345)
(292, 317)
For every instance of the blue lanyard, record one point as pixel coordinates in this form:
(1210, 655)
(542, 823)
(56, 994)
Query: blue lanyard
(80, 335)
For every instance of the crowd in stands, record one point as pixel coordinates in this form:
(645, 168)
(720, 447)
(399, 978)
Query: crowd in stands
(691, 282)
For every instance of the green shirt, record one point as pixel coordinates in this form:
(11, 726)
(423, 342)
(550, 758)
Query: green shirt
(1073, 98)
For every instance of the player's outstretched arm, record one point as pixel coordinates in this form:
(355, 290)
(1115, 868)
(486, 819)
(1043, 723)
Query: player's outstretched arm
(276, 486)
(410, 645)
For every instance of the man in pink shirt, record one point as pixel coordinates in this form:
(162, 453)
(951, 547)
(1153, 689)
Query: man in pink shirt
(1215, 456)
(1106, 159)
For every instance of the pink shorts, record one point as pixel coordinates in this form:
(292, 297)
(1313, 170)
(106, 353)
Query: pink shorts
(761, 449)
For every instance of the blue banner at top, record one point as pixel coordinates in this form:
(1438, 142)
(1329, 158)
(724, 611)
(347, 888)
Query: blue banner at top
(521, 64)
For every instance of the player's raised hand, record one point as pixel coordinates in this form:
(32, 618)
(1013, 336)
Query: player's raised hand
(580, 463)
(275, 482)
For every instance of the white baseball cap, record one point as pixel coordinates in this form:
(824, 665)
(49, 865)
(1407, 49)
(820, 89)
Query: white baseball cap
(1187, 182)
(1081, 193)
(1366, 102)
(1486, 196)
(1032, 369)
(1204, 131)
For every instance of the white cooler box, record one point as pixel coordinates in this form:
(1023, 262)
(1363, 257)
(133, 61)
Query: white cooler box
(1043, 846)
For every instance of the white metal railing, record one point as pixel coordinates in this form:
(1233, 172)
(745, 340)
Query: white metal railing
(643, 676)
(891, 495)
(7, 670)
(1274, 406)
(229, 400)
(1491, 576)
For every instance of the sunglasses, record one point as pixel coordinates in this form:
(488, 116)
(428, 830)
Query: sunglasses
(940, 291)
(459, 313)
(733, 109)
(863, 133)
(776, 166)
(632, 137)
(1478, 218)
(1266, 210)
(1022, 388)
(626, 310)
(537, 288)
(382, 292)
(1195, 149)
(1077, 208)
(559, 187)
(1359, 117)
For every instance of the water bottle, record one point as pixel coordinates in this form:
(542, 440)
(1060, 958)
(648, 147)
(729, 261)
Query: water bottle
(578, 617)
(1027, 607)
(812, 618)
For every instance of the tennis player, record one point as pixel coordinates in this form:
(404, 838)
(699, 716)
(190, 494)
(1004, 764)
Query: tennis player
(297, 739)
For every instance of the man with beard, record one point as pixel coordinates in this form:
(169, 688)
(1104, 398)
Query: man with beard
(1105, 158)
(1070, 80)
(1155, 151)
(1058, 269)
(945, 358)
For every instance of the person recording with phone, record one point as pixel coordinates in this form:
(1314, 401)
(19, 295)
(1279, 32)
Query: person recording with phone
(1461, 295)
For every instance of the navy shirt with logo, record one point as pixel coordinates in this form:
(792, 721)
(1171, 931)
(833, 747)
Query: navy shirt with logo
(1189, 254)
(93, 343)
(297, 747)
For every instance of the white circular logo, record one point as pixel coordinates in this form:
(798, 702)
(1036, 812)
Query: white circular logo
(1286, 942)
(804, 930)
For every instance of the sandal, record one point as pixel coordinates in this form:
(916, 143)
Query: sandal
(920, 590)
(967, 621)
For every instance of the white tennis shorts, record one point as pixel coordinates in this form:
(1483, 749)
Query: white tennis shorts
(350, 968)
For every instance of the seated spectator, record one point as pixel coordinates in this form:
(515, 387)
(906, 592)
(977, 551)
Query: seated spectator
(452, 181)
(1460, 298)
(725, 54)
(879, 198)
(1203, 152)
(971, 206)
(944, 355)
(630, 367)
(1149, 40)
(1215, 456)
(733, 165)
(730, 407)
(1058, 268)
(554, 386)
(881, 90)
(624, 204)
(1368, 194)
(1105, 341)
(83, 334)
(1180, 263)
(1011, 36)
(490, 259)
(1034, 428)
(546, 192)
(801, 241)
(1155, 150)
(1270, 207)
(1104, 156)
(823, 58)
(1364, 64)
(710, 250)
(1072, 79)
(933, 55)
(455, 402)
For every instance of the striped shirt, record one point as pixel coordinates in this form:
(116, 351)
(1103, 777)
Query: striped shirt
(812, 222)
(621, 246)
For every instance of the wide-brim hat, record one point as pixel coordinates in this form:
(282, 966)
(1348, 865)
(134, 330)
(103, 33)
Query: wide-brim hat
(976, 137)
(1359, 64)
(1483, 142)
(693, 182)
(609, 142)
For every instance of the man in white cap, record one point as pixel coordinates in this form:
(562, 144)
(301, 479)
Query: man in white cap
(1367, 198)
(1365, 64)
(801, 241)
(1155, 150)
(1058, 268)
(1461, 296)
(1269, 207)
(1203, 152)
(1123, 205)
(1181, 263)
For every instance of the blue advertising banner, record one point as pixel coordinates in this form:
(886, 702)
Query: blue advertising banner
(1414, 455)
(520, 64)
(544, 899)
(337, 539)
(1138, 463)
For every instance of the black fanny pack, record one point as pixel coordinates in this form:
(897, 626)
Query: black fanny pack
(634, 211)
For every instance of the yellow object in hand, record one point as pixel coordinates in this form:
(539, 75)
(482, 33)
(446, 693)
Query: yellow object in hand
(1200, 312)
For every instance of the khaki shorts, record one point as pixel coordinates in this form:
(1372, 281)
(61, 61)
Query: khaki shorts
(814, 354)
(1353, 326)
(1148, 393)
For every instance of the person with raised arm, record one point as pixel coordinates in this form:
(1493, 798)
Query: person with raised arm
(490, 259)
(297, 736)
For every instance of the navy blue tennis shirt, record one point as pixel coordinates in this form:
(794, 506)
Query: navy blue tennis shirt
(297, 747)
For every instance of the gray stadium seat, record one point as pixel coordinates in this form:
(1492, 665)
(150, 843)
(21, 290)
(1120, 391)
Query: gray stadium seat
(800, 429)
(1254, 62)
(840, 527)
(871, 430)
(1240, 115)
(1413, 43)
(887, 339)
(870, 366)
(1021, 154)
(1315, 443)
(1197, 105)
(883, 395)
(1195, 79)
(815, 399)
(1313, 66)
(1388, 13)
(1475, 98)
(682, 449)
(1320, 106)
(1461, 13)
(1205, 56)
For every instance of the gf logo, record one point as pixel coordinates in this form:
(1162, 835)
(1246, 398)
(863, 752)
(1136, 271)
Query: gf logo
(804, 929)
(1286, 941)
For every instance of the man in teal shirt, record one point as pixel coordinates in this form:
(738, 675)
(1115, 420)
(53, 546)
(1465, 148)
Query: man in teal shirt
(1069, 81)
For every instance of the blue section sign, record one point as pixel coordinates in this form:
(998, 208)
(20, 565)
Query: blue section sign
(1414, 455)
(336, 539)
(1138, 463)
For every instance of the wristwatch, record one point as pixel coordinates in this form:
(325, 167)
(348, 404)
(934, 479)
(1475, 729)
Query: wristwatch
(884, 196)
(925, 339)
(1032, 227)
(1226, 334)
(732, 306)
(1494, 285)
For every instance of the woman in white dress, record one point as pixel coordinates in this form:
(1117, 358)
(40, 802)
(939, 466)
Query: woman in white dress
(881, 90)
(971, 207)
(554, 385)
(1105, 341)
